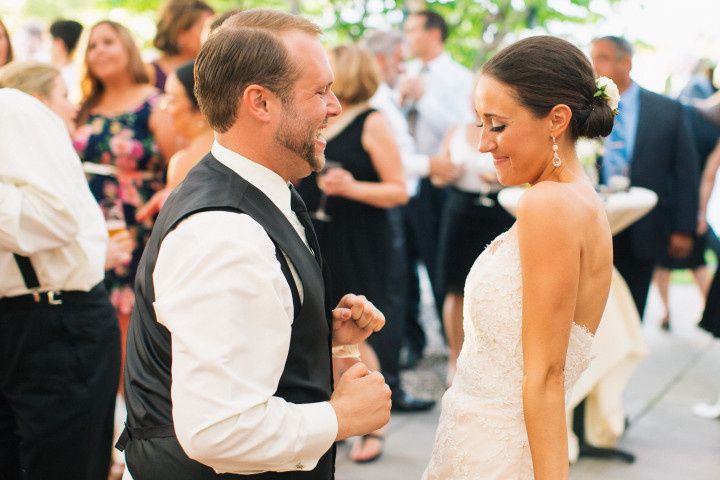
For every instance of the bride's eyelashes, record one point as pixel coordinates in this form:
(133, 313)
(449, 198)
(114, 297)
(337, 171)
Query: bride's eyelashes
(494, 128)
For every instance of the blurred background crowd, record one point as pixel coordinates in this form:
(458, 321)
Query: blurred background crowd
(405, 199)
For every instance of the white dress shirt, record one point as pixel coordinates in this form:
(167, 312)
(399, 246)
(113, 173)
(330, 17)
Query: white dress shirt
(415, 165)
(221, 293)
(474, 164)
(446, 101)
(46, 209)
(71, 75)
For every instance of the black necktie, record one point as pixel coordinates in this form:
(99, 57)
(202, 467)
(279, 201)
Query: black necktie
(298, 206)
(412, 113)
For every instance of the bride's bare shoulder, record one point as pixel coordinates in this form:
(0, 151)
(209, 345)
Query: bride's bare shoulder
(555, 210)
(550, 199)
(568, 200)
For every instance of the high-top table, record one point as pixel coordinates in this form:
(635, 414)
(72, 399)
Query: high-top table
(618, 346)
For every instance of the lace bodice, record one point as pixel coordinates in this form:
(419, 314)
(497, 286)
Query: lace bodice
(482, 431)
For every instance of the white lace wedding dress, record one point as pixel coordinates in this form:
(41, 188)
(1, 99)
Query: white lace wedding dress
(482, 433)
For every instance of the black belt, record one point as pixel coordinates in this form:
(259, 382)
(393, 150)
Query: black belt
(143, 433)
(51, 297)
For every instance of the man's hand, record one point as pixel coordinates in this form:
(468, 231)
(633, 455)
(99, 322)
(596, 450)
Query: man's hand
(681, 245)
(443, 171)
(361, 402)
(354, 319)
(411, 89)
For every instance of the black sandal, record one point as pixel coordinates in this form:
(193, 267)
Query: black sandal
(377, 455)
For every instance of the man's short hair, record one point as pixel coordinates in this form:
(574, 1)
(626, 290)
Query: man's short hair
(68, 31)
(220, 19)
(383, 41)
(434, 20)
(621, 45)
(246, 50)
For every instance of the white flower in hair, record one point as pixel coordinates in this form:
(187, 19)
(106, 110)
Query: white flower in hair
(606, 89)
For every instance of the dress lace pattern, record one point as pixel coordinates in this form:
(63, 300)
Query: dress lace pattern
(482, 433)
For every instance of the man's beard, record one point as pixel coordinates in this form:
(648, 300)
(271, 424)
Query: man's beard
(299, 139)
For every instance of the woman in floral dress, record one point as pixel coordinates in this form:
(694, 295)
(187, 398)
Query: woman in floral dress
(115, 140)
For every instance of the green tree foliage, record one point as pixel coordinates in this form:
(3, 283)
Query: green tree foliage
(478, 27)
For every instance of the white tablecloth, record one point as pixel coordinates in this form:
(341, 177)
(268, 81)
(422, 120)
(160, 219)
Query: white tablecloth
(619, 344)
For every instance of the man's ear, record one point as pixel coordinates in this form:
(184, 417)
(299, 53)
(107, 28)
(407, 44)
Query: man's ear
(437, 34)
(257, 102)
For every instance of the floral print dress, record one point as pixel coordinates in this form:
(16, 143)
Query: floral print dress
(124, 168)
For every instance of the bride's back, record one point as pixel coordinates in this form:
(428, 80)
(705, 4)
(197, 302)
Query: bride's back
(595, 256)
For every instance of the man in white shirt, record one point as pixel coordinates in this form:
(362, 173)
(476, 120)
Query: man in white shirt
(229, 371)
(386, 46)
(59, 338)
(65, 36)
(435, 92)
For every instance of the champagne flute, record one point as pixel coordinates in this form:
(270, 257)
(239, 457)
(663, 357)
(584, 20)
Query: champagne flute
(320, 214)
(485, 188)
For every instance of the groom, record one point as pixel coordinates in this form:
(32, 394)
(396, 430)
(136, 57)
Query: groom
(229, 371)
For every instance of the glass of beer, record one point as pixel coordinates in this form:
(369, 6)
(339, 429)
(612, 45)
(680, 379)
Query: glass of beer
(114, 216)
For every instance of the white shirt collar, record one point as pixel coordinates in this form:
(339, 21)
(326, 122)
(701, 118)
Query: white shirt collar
(267, 181)
(438, 61)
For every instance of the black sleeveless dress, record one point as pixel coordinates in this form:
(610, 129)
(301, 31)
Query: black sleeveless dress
(711, 315)
(356, 241)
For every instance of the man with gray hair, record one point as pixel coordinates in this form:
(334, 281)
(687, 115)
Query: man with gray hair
(387, 48)
(651, 143)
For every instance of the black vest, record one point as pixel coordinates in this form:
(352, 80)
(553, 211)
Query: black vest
(152, 449)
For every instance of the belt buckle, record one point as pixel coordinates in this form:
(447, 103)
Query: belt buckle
(54, 298)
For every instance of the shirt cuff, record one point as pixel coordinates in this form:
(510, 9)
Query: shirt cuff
(321, 429)
(421, 165)
(346, 351)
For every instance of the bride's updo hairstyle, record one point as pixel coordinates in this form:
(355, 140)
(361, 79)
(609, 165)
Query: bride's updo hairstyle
(545, 71)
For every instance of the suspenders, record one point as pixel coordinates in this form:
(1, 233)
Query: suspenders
(32, 283)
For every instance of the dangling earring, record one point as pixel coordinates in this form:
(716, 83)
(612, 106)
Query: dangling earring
(556, 158)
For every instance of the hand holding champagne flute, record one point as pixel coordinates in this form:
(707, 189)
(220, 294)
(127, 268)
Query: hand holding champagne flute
(320, 214)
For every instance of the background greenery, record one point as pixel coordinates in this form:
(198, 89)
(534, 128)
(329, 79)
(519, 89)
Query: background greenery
(478, 27)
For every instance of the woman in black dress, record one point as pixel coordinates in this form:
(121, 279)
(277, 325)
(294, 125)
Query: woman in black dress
(710, 320)
(364, 178)
(711, 316)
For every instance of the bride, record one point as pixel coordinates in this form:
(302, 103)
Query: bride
(535, 296)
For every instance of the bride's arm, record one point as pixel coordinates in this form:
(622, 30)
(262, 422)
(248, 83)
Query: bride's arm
(550, 260)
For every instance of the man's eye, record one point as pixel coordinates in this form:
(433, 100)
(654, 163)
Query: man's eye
(497, 128)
